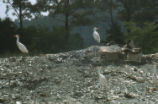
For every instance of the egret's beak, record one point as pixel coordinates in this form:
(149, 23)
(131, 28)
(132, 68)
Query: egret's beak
(96, 28)
(15, 35)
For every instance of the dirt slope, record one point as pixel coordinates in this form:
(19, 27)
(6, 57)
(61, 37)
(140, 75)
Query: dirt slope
(72, 78)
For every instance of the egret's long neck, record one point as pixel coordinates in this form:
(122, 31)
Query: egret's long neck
(17, 39)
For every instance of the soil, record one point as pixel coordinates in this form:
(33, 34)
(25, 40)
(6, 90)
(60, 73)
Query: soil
(72, 78)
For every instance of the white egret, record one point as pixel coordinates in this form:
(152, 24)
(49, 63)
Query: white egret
(102, 79)
(96, 37)
(21, 46)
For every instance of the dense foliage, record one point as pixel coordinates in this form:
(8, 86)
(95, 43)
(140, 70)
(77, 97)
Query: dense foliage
(145, 36)
(8, 28)
(126, 19)
(39, 40)
(115, 34)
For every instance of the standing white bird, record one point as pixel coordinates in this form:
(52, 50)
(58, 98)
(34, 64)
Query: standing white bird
(102, 79)
(21, 46)
(96, 35)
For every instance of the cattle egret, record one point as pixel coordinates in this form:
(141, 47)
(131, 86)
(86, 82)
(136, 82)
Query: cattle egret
(96, 35)
(102, 79)
(21, 46)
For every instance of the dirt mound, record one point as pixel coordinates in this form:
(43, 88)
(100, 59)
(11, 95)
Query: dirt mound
(72, 78)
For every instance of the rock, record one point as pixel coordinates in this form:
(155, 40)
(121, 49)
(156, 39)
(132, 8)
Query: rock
(130, 95)
(134, 57)
(15, 96)
(110, 53)
(151, 89)
(4, 98)
(18, 102)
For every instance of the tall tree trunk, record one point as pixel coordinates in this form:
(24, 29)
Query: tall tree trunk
(20, 17)
(111, 12)
(128, 11)
(67, 19)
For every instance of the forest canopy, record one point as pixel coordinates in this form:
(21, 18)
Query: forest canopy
(122, 20)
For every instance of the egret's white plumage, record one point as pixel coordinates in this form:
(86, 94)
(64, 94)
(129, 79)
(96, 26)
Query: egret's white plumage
(18, 102)
(102, 79)
(21, 46)
(96, 35)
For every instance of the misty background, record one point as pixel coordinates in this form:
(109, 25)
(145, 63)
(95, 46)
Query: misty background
(51, 26)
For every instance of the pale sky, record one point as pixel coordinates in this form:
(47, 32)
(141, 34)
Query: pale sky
(3, 8)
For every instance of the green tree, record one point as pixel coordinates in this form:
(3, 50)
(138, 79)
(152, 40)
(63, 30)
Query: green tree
(38, 7)
(148, 9)
(144, 36)
(72, 10)
(21, 9)
(42, 40)
(134, 10)
(115, 34)
(129, 8)
(114, 31)
(7, 41)
(107, 6)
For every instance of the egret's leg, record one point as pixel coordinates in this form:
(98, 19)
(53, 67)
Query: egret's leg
(94, 51)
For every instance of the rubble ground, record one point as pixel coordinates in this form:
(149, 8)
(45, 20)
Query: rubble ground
(72, 78)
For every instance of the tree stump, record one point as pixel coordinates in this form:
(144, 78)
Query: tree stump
(110, 54)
